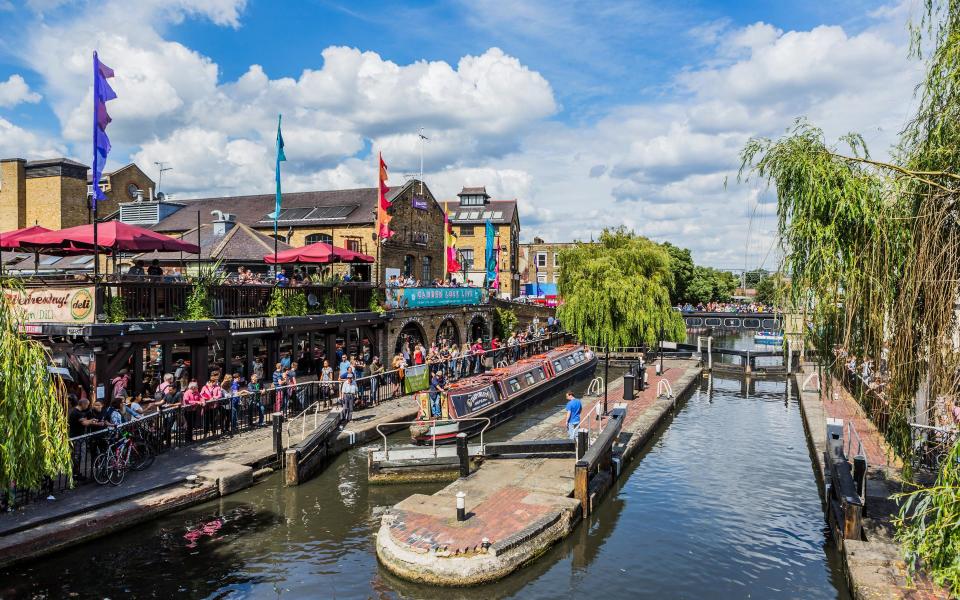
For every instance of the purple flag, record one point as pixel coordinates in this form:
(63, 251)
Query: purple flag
(102, 93)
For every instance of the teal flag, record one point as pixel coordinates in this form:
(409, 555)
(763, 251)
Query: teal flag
(280, 157)
(491, 254)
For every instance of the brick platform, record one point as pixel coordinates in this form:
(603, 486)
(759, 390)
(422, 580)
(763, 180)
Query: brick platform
(520, 505)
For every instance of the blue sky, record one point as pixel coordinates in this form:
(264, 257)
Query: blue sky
(591, 114)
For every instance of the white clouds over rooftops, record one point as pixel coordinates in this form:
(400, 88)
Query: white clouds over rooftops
(656, 162)
(15, 90)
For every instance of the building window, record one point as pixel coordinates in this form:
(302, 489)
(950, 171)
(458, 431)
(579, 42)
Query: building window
(426, 276)
(471, 200)
(315, 238)
(466, 231)
(353, 245)
(466, 261)
(541, 259)
(556, 259)
(541, 277)
(408, 261)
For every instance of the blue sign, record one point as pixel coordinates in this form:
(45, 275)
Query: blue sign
(419, 203)
(398, 298)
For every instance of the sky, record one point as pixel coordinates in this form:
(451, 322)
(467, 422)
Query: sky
(591, 114)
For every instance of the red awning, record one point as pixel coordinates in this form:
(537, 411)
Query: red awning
(10, 240)
(321, 252)
(112, 235)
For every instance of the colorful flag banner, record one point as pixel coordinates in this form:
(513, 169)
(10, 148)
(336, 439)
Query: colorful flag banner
(102, 93)
(383, 219)
(280, 158)
(490, 256)
(450, 256)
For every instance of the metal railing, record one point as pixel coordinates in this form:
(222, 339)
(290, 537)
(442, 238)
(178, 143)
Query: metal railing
(931, 445)
(433, 424)
(596, 387)
(664, 387)
(594, 419)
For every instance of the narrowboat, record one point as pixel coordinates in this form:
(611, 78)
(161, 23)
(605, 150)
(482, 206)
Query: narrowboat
(500, 393)
(769, 338)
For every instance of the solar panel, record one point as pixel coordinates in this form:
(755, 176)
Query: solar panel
(294, 214)
(331, 212)
(474, 215)
(487, 214)
(498, 214)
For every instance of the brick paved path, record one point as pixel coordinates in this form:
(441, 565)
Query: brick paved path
(505, 497)
(839, 404)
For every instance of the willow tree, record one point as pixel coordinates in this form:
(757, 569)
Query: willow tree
(616, 292)
(873, 249)
(33, 424)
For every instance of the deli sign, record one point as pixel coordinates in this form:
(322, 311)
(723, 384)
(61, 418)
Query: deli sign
(53, 305)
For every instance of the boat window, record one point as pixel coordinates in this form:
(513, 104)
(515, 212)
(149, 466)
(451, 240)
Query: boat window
(570, 361)
(579, 355)
(557, 366)
(529, 377)
(538, 374)
(514, 385)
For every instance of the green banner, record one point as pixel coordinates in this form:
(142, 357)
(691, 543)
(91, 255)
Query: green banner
(398, 298)
(416, 379)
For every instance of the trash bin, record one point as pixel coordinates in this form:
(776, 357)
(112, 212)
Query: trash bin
(628, 383)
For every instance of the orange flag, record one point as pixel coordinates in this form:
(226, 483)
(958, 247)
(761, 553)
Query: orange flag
(383, 219)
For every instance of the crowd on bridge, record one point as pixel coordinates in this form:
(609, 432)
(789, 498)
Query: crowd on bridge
(726, 307)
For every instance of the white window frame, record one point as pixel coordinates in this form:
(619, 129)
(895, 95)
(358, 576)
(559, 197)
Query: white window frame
(541, 263)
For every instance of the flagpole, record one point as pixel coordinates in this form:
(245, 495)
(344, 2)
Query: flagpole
(376, 223)
(93, 197)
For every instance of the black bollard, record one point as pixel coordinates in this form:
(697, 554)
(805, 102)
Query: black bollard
(278, 436)
(463, 454)
(628, 380)
(583, 441)
(642, 378)
(461, 506)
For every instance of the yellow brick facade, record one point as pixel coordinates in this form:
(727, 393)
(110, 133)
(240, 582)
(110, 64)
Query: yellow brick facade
(13, 195)
(477, 242)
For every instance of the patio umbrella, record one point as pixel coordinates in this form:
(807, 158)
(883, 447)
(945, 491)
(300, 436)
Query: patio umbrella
(112, 236)
(321, 252)
(10, 240)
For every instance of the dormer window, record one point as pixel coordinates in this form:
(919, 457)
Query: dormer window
(471, 200)
(473, 196)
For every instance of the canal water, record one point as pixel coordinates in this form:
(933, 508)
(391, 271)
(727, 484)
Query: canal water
(722, 504)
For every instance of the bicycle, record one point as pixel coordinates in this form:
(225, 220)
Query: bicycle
(121, 456)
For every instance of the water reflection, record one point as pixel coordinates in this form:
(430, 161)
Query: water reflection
(722, 504)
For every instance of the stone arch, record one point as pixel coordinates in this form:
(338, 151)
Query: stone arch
(478, 327)
(413, 331)
(449, 330)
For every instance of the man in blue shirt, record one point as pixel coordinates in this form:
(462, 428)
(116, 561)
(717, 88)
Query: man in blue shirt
(573, 408)
(344, 366)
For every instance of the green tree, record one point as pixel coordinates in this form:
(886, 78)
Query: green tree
(772, 289)
(616, 292)
(753, 278)
(710, 285)
(681, 270)
(33, 422)
(504, 322)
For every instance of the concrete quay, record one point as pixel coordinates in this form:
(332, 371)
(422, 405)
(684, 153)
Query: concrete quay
(874, 566)
(222, 467)
(516, 507)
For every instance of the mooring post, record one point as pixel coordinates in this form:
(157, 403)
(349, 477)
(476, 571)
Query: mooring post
(583, 441)
(278, 436)
(710, 353)
(789, 356)
(461, 506)
(463, 453)
(748, 363)
(581, 486)
(859, 473)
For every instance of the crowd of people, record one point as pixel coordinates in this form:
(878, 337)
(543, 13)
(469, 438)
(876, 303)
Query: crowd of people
(405, 281)
(727, 307)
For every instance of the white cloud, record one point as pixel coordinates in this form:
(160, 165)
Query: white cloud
(18, 142)
(15, 90)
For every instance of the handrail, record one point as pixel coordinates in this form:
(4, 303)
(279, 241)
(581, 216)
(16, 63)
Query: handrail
(596, 387)
(663, 383)
(853, 431)
(433, 422)
(803, 387)
(599, 417)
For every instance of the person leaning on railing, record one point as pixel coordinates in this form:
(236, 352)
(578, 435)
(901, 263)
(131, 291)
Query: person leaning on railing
(255, 400)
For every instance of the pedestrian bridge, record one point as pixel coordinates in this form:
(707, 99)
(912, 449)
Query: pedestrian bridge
(726, 320)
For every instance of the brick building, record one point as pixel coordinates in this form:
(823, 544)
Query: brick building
(54, 193)
(468, 216)
(344, 218)
(540, 261)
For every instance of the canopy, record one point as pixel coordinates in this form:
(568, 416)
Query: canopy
(112, 235)
(10, 240)
(321, 252)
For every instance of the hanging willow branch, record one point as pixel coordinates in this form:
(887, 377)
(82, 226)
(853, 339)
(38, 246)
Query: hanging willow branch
(33, 425)
(616, 292)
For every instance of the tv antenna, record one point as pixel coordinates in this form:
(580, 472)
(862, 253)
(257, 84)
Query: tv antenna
(423, 139)
(161, 168)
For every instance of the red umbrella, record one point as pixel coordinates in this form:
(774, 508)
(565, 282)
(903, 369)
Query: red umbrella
(10, 240)
(321, 252)
(111, 236)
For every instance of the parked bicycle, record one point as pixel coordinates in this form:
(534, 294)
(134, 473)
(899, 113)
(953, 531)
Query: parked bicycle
(125, 454)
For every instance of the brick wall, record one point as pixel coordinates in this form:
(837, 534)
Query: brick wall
(478, 243)
(13, 195)
(44, 201)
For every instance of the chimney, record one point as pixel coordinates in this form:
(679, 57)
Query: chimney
(222, 222)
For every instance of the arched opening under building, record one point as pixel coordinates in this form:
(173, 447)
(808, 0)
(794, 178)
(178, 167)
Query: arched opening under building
(478, 329)
(411, 334)
(449, 332)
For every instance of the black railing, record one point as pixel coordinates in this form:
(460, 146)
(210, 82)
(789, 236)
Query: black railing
(180, 425)
(161, 301)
